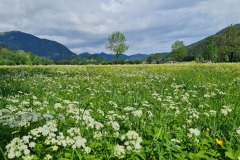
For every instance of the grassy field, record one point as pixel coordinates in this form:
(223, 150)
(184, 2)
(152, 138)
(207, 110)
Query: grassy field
(170, 111)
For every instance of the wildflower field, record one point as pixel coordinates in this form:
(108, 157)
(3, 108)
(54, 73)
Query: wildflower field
(169, 111)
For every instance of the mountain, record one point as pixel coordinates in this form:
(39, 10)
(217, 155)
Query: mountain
(220, 47)
(110, 57)
(137, 56)
(85, 54)
(17, 40)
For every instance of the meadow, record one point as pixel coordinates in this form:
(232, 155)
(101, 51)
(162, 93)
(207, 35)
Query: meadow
(168, 111)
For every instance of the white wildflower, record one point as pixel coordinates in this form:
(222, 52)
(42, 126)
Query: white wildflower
(119, 151)
(97, 135)
(32, 144)
(226, 110)
(175, 140)
(87, 150)
(26, 151)
(137, 113)
(115, 125)
(48, 157)
(55, 148)
(238, 131)
(57, 105)
(28, 157)
(128, 108)
(194, 131)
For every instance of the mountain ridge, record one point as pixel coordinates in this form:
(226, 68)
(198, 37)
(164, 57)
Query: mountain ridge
(17, 40)
(110, 57)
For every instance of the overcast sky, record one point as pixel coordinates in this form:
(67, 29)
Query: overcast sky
(149, 25)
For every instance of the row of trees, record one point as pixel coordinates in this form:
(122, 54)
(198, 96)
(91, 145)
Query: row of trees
(9, 57)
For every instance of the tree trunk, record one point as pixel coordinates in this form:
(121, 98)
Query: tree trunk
(231, 57)
(117, 55)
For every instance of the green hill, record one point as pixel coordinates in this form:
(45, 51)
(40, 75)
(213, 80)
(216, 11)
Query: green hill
(10, 57)
(224, 46)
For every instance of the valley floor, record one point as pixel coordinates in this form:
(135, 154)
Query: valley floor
(167, 111)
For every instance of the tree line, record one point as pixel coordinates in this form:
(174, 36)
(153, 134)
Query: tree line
(10, 57)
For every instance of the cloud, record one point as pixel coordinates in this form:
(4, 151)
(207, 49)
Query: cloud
(149, 26)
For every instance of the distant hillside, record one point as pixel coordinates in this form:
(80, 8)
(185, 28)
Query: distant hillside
(17, 40)
(110, 57)
(221, 47)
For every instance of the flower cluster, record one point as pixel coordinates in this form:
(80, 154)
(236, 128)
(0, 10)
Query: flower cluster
(193, 131)
(49, 132)
(132, 141)
(19, 147)
(238, 131)
(226, 110)
(119, 151)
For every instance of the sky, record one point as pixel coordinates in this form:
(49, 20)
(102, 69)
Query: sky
(150, 26)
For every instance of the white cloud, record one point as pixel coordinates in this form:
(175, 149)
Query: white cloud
(150, 26)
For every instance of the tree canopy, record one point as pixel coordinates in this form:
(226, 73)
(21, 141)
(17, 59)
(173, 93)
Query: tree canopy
(116, 42)
(210, 49)
(179, 51)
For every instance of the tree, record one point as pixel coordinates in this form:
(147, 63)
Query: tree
(179, 51)
(149, 59)
(210, 49)
(229, 43)
(116, 42)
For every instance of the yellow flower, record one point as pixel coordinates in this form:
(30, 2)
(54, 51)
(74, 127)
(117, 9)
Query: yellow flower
(220, 142)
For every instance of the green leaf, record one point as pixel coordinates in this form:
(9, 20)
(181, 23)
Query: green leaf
(67, 155)
(229, 154)
(237, 153)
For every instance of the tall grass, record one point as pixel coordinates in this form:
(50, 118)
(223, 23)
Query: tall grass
(180, 111)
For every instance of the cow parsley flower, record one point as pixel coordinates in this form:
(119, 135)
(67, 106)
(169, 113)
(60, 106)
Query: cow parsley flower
(87, 150)
(48, 157)
(194, 131)
(17, 148)
(226, 110)
(238, 131)
(97, 135)
(132, 140)
(57, 105)
(137, 113)
(119, 151)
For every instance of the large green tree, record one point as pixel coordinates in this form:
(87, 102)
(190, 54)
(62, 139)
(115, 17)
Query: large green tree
(179, 51)
(210, 49)
(229, 44)
(116, 42)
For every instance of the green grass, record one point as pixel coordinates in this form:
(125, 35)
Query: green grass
(171, 111)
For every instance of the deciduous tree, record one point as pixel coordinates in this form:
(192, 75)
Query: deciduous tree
(116, 42)
(179, 51)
